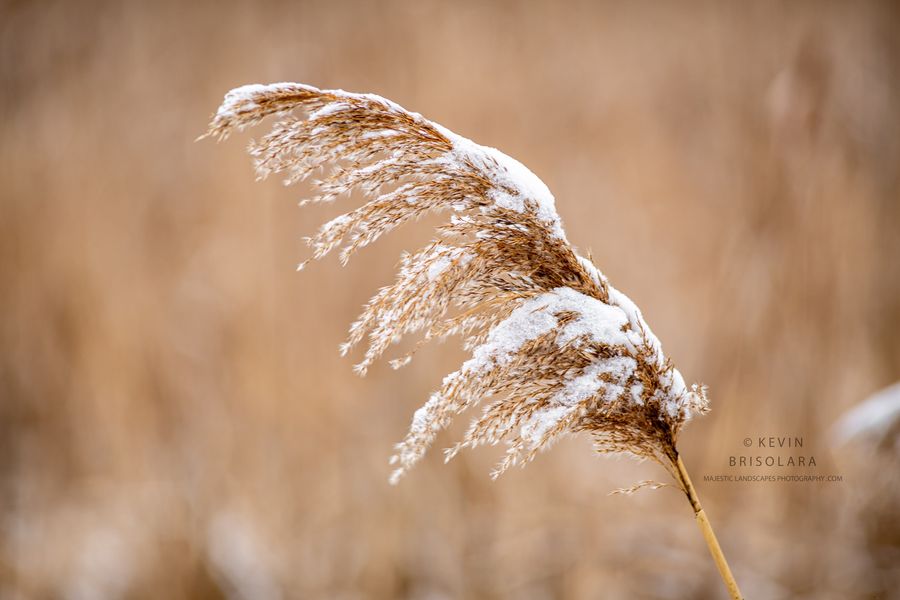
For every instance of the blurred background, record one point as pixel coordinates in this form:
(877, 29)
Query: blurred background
(176, 421)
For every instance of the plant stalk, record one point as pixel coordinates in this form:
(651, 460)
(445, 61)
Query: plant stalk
(708, 533)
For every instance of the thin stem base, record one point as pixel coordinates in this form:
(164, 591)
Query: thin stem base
(708, 533)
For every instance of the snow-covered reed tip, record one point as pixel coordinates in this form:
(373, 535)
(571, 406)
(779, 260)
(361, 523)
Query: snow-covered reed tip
(874, 422)
(555, 348)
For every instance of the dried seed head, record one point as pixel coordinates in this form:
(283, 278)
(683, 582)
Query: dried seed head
(555, 348)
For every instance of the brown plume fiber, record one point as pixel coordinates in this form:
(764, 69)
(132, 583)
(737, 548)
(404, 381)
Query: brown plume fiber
(555, 348)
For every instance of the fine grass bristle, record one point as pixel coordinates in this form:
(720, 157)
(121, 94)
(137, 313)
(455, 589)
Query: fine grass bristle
(556, 349)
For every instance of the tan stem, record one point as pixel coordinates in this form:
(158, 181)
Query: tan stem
(708, 533)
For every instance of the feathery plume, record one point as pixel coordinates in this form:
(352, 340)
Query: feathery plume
(555, 349)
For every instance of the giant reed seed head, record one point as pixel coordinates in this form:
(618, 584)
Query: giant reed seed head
(555, 348)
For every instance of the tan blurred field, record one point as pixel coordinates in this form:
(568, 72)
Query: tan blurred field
(176, 421)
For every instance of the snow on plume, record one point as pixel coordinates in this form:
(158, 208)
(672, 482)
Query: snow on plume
(872, 420)
(555, 349)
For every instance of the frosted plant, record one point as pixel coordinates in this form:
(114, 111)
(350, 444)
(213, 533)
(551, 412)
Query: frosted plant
(875, 422)
(555, 349)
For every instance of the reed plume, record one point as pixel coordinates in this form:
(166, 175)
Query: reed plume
(555, 349)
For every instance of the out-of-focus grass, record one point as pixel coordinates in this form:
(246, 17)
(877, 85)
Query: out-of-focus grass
(175, 420)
